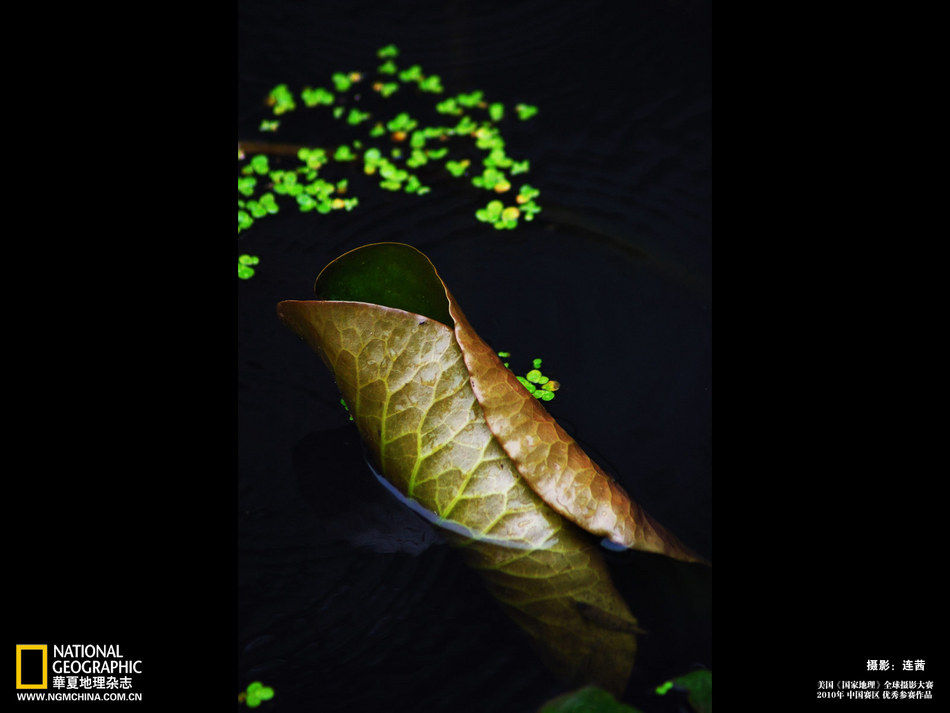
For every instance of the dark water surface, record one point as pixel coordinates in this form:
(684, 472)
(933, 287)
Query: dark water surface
(348, 601)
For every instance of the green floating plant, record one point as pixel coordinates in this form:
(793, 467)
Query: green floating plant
(401, 123)
(449, 106)
(457, 168)
(316, 97)
(431, 84)
(589, 699)
(525, 200)
(245, 271)
(397, 147)
(343, 153)
(259, 165)
(265, 205)
(698, 688)
(255, 694)
(312, 158)
(502, 217)
(246, 185)
(341, 81)
(281, 100)
(470, 100)
(386, 89)
(357, 117)
(526, 111)
(492, 179)
(411, 74)
(538, 385)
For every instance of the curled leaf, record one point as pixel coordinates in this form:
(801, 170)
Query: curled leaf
(404, 380)
(442, 425)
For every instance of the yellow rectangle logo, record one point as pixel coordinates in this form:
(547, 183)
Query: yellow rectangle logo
(34, 679)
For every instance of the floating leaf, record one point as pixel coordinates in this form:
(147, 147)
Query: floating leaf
(550, 460)
(455, 431)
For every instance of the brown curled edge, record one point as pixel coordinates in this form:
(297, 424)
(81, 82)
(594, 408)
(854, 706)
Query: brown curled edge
(552, 462)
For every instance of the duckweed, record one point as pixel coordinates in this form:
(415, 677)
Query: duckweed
(255, 694)
(267, 177)
(536, 383)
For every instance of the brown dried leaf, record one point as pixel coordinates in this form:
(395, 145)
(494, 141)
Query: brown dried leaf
(454, 430)
(404, 379)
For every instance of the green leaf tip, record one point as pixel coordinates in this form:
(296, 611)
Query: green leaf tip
(389, 274)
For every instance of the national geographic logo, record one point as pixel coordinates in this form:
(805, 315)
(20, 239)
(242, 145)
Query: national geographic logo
(30, 666)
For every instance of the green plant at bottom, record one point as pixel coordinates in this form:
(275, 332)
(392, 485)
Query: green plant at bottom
(698, 687)
(587, 700)
(255, 694)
